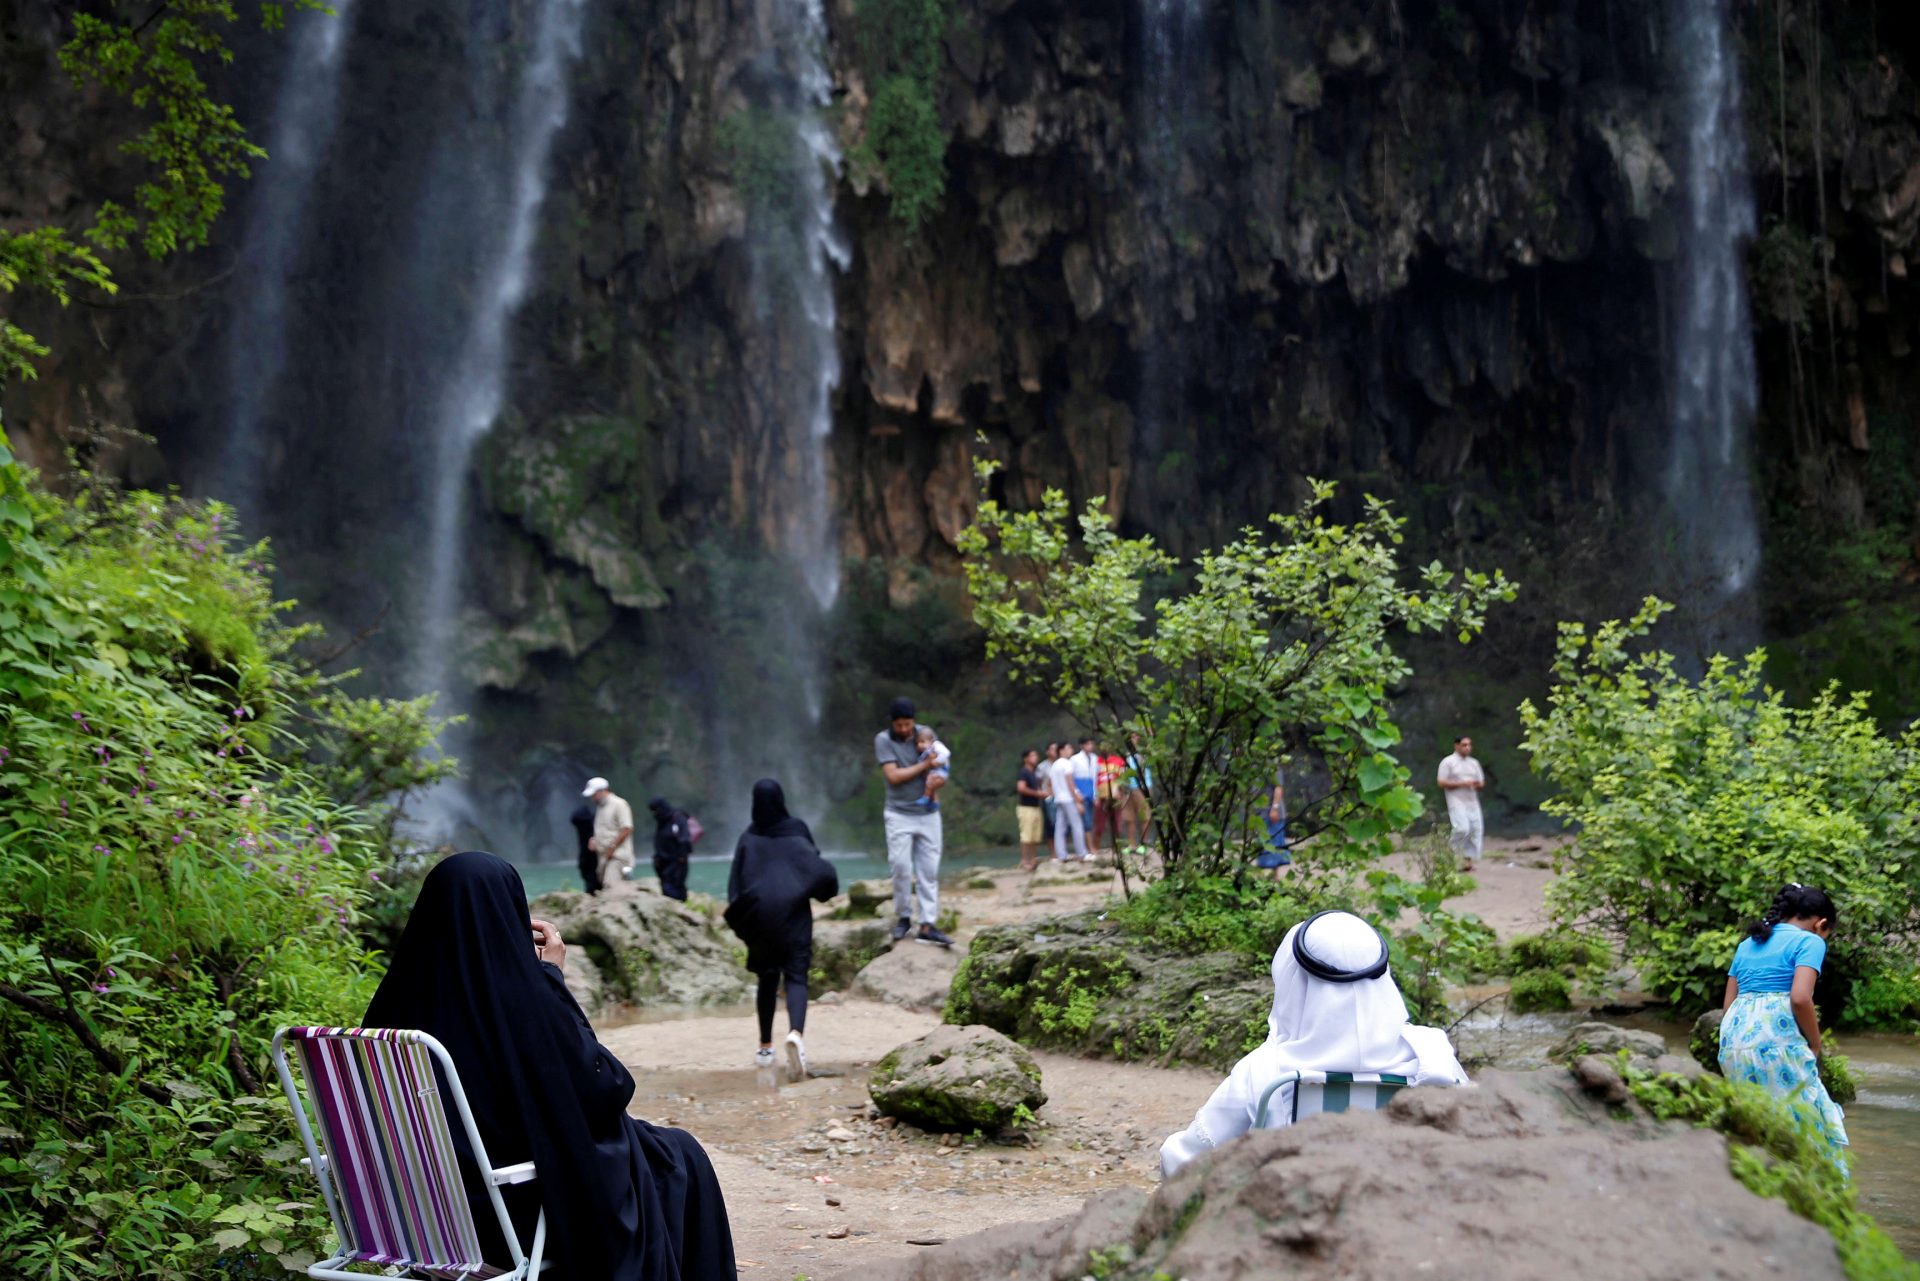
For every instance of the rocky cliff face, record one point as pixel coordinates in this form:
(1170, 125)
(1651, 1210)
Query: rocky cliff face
(1417, 247)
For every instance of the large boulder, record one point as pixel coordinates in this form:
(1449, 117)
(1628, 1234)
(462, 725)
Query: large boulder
(1520, 1178)
(628, 947)
(916, 976)
(1606, 1039)
(1079, 984)
(957, 1078)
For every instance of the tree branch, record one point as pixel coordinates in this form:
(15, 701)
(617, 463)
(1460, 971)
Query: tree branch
(71, 1018)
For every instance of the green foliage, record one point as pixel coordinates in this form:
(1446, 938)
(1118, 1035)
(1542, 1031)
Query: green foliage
(157, 58)
(1277, 643)
(1562, 950)
(1539, 989)
(1836, 1074)
(764, 156)
(903, 143)
(1775, 1157)
(1887, 999)
(174, 883)
(1696, 800)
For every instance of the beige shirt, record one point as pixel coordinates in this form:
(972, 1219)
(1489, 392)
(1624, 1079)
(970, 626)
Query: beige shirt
(1463, 803)
(612, 815)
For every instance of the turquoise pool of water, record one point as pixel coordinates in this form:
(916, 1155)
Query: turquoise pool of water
(708, 875)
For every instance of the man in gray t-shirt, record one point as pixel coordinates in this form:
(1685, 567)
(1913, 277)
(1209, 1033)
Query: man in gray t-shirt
(913, 830)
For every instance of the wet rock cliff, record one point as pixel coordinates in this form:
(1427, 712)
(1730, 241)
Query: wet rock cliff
(1186, 257)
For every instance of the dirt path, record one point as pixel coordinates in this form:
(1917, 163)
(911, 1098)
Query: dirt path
(815, 1185)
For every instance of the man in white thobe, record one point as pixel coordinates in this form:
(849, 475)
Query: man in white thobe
(1461, 779)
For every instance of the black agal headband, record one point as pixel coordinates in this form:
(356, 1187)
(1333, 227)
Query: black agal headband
(1331, 973)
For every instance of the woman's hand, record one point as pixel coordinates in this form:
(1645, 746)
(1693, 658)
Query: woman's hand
(548, 945)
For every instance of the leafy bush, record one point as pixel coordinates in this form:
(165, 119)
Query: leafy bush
(1279, 642)
(1887, 999)
(175, 881)
(904, 143)
(1537, 990)
(1696, 800)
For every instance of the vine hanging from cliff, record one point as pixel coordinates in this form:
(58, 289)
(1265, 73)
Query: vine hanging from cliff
(904, 144)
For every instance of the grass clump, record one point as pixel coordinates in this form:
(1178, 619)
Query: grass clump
(1539, 990)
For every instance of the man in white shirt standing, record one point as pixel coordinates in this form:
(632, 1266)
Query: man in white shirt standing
(612, 829)
(1069, 809)
(1461, 778)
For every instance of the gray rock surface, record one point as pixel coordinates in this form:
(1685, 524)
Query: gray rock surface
(957, 1078)
(911, 974)
(629, 947)
(1608, 1040)
(1521, 1178)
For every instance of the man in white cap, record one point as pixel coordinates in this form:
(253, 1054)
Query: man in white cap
(1335, 1009)
(612, 828)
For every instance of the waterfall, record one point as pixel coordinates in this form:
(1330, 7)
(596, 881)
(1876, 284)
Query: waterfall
(472, 388)
(1172, 43)
(304, 119)
(1708, 485)
(793, 249)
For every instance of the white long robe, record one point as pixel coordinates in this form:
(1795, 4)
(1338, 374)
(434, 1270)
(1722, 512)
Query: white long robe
(1317, 1026)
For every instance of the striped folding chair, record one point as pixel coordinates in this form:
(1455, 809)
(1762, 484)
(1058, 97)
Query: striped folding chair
(1316, 1092)
(386, 1162)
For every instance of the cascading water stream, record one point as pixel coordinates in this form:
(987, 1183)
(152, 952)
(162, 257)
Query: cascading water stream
(473, 388)
(257, 346)
(794, 249)
(1708, 485)
(1172, 41)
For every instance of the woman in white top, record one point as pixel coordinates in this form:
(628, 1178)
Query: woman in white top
(1335, 1009)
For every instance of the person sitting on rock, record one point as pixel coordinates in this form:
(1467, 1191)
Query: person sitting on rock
(1335, 1009)
(625, 1200)
(776, 870)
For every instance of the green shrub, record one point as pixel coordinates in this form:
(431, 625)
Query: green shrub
(1836, 1073)
(176, 880)
(1887, 999)
(1537, 990)
(1560, 950)
(1696, 800)
(904, 143)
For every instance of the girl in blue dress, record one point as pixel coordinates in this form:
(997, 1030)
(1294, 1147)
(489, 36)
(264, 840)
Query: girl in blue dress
(1771, 1033)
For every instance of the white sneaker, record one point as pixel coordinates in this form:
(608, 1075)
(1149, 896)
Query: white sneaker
(763, 1058)
(796, 1058)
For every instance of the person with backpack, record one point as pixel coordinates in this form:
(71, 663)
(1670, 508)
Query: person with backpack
(673, 836)
(777, 870)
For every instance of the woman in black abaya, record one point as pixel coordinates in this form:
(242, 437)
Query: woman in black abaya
(776, 870)
(625, 1200)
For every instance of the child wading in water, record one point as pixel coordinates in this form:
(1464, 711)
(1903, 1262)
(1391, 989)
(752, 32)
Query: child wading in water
(1771, 1033)
(932, 748)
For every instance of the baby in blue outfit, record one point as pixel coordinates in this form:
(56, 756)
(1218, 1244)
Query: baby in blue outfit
(931, 747)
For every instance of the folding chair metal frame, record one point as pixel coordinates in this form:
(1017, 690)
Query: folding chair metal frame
(1335, 1090)
(526, 1263)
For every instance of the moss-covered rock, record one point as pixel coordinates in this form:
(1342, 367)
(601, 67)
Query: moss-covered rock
(1538, 990)
(1078, 983)
(840, 952)
(646, 950)
(958, 1078)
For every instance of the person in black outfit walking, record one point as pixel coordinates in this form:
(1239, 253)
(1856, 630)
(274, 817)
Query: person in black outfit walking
(776, 869)
(672, 846)
(582, 820)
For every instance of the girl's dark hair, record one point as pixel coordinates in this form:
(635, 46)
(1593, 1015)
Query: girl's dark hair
(1794, 902)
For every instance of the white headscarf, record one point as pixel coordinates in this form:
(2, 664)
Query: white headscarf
(1319, 1026)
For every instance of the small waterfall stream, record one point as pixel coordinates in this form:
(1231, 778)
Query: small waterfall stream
(1708, 486)
(305, 117)
(1168, 111)
(794, 249)
(472, 388)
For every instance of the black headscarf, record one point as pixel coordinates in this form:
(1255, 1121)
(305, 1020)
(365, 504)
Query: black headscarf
(625, 1201)
(776, 870)
(770, 817)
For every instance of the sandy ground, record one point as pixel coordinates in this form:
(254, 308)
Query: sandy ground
(816, 1184)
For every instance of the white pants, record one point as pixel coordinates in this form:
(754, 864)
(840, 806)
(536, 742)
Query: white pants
(913, 853)
(1067, 815)
(1466, 838)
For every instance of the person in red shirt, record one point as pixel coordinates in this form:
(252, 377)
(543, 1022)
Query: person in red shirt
(1109, 791)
